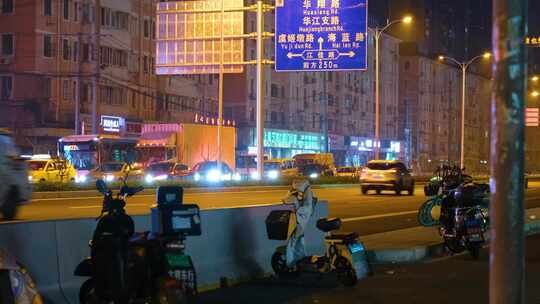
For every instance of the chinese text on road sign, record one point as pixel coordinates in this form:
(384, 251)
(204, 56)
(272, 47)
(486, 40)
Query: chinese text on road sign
(321, 35)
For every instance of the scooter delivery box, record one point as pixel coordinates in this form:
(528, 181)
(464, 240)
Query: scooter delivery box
(280, 224)
(176, 219)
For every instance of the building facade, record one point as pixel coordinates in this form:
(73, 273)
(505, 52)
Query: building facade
(298, 104)
(430, 124)
(54, 52)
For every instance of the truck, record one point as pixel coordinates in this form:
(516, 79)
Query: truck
(188, 144)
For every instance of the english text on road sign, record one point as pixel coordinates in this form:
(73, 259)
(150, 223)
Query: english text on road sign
(321, 35)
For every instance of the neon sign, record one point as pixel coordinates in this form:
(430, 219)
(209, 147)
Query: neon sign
(111, 123)
(207, 120)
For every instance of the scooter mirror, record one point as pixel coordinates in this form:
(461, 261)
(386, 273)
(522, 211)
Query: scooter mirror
(101, 186)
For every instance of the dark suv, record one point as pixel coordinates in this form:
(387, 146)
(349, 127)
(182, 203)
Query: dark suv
(381, 175)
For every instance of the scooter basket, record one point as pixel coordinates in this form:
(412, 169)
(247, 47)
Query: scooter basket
(280, 224)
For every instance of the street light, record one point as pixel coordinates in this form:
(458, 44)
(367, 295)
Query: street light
(377, 34)
(535, 78)
(535, 93)
(463, 66)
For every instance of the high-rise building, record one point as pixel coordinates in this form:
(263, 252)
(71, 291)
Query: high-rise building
(456, 28)
(53, 51)
(430, 120)
(299, 104)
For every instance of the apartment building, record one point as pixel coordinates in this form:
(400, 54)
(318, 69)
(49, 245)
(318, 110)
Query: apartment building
(297, 105)
(52, 53)
(430, 124)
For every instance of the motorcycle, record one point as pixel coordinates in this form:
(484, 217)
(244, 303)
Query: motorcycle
(124, 266)
(464, 215)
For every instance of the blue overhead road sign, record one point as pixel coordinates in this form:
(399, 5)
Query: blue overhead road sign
(321, 35)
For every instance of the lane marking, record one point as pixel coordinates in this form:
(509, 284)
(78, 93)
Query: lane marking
(376, 216)
(99, 206)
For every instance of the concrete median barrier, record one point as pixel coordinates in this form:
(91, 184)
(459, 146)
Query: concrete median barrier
(233, 246)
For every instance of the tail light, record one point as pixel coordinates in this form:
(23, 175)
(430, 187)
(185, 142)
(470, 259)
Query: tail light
(392, 171)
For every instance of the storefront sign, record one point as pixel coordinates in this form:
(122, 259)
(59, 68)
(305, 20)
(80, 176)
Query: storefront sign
(207, 120)
(532, 41)
(294, 140)
(111, 123)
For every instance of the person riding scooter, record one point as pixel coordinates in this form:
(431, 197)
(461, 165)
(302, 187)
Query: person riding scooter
(303, 200)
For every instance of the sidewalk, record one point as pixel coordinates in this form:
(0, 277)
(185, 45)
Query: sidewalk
(444, 281)
(437, 278)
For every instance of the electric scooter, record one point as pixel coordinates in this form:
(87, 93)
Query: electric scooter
(344, 255)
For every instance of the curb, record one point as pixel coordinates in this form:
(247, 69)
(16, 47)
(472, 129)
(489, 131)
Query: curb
(427, 252)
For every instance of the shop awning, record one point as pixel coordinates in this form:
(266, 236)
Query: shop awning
(157, 139)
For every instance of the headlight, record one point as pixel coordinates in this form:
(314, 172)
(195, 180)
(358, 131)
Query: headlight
(213, 176)
(255, 175)
(80, 179)
(30, 178)
(197, 177)
(237, 176)
(109, 178)
(226, 177)
(313, 175)
(274, 174)
(161, 177)
(149, 178)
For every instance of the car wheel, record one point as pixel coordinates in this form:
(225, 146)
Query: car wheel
(398, 190)
(364, 190)
(378, 191)
(9, 207)
(411, 189)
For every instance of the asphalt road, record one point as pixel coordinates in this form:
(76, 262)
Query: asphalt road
(449, 280)
(365, 214)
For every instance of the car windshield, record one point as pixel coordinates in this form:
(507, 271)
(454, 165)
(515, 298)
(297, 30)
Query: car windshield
(111, 167)
(37, 165)
(311, 168)
(246, 162)
(212, 166)
(382, 166)
(160, 167)
(272, 166)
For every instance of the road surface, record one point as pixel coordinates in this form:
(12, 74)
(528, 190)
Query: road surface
(365, 214)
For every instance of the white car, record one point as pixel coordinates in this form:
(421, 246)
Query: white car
(14, 186)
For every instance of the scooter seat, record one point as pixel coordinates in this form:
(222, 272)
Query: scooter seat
(327, 225)
(345, 237)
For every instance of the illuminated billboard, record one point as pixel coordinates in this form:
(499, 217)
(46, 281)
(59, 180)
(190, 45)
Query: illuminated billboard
(188, 37)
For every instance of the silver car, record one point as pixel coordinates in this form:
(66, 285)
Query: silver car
(391, 175)
(14, 186)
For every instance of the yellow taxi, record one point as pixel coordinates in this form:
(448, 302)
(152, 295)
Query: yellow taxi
(43, 168)
(117, 171)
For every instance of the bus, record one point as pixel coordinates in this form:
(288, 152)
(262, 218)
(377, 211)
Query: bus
(88, 152)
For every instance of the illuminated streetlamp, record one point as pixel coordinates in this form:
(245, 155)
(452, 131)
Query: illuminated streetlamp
(535, 78)
(464, 66)
(535, 93)
(377, 32)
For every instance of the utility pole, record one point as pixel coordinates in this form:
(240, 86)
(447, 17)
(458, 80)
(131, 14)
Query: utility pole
(260, 92)
(324, 103)
(79, 79)
(220, 93)
(507, 263)
(95, 52)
